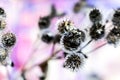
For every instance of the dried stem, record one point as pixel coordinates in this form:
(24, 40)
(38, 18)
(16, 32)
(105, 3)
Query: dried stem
(97, 48)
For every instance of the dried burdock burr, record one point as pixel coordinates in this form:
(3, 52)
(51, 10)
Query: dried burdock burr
(113, 36)
(74, 61)
(72, 40)
(47, 37)
(95, 16)
(97, 31)
(8, 40)
(116, 18)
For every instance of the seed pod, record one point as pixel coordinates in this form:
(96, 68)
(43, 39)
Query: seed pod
(8, 40)
(44, 22)
(116, 18)
(71, 41)
(65, 26)
(97, 31)
(95, 16)
(74, 61)
(113, 36)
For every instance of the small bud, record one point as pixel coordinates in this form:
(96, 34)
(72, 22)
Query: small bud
(44, 22)
(47, 37)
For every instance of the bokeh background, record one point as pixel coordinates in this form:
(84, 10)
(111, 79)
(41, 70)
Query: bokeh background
(22, 20)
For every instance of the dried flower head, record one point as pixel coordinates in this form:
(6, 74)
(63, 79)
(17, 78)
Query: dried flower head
(116, 18)
(95, 16)
(65, 25)
(8, 40)
(74, 61)
(113, 36)
(71, 41)
(97, 31)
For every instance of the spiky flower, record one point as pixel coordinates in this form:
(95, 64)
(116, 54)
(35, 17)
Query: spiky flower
(74, 61)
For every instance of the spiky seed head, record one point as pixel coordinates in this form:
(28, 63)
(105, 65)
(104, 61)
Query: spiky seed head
(72, 40)
(74, 61)
(65, 25)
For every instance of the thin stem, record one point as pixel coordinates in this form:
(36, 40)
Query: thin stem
(97, 47)
(35, 48)
(45, 60)
(86, 44)
(60, 15)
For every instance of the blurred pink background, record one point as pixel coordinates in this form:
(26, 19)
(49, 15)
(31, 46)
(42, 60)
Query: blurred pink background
(22, 19)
